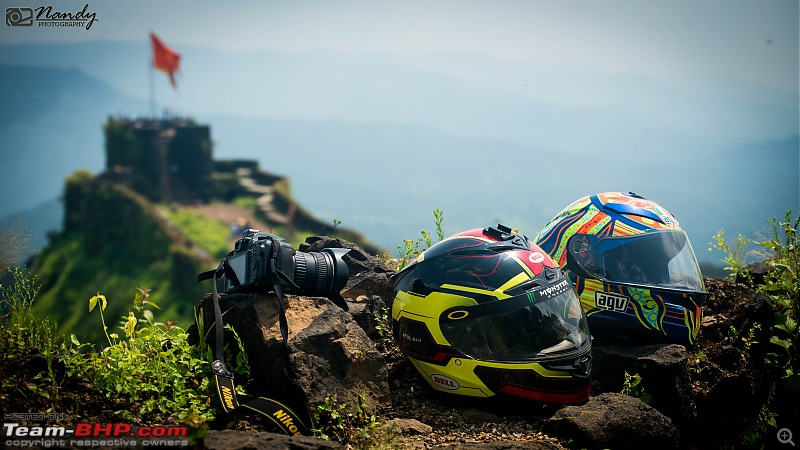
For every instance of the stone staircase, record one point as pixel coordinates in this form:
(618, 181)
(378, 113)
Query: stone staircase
(265, 199)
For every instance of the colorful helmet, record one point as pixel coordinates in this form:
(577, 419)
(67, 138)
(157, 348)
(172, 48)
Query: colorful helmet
(632, 265)
(486, 312)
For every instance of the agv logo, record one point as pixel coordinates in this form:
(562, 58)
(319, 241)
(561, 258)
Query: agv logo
(610, 301)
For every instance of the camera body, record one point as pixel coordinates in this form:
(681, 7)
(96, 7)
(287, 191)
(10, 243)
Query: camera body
(259, 260)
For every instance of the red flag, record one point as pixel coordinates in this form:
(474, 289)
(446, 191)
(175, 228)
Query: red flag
(165, 58)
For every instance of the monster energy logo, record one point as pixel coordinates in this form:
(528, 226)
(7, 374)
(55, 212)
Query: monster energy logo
(549, 292)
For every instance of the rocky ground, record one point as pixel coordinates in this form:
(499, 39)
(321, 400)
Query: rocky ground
(711, 393)
(707, 396)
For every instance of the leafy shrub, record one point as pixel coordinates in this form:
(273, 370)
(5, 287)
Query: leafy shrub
(632, 386)
(334, 423)
(782, 287)
(153, 366)
(735, 252)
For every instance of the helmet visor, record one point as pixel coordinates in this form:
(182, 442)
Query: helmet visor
(544, 322)
(661, 258)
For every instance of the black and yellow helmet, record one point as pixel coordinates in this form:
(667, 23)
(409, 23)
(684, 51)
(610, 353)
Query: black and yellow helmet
(487, 312)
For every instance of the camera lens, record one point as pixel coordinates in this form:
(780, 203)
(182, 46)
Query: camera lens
(320, 273)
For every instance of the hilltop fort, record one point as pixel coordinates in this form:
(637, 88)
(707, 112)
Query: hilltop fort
(171, 160)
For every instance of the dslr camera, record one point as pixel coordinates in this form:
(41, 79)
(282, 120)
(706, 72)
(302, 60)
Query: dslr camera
(261, 260)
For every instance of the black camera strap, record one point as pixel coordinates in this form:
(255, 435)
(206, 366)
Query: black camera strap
(287, 420)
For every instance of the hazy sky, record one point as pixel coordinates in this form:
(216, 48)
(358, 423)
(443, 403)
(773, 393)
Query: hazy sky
(614, 77)
(755, 41)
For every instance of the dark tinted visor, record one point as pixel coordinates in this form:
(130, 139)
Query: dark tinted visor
(540, 323)
(661, 258)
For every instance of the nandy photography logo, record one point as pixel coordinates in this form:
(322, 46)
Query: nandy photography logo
(47, 16)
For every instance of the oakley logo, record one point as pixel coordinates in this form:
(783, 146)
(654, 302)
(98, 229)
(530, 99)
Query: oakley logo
(612, 302)
(445, 382)
(458, 314)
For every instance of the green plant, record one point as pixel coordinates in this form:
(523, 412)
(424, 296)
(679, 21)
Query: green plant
(22, 333)
(632, 386)
(335, 423)
(336, 223)
(242, 364)
(382, 322)
(153, 367)
(410, 248)
(21, 329)
(695, 363)
(782, 287)
(735, 252)
(781, 251)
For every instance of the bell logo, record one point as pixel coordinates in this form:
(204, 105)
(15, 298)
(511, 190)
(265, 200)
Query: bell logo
(536, 257)
(445, 382)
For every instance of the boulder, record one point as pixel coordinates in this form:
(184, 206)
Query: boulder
(367, 284)
(613, 420)
(662, 367)
(329, 354)
(407, 427)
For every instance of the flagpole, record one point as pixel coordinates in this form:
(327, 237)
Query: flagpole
(152, 90)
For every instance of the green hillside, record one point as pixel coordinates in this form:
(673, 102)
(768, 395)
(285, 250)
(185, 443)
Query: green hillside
(115, 240)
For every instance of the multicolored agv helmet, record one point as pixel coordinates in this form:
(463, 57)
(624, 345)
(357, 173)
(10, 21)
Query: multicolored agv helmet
(632, 265)
(486, 312)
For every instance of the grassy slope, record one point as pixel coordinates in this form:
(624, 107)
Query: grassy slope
(122, 242)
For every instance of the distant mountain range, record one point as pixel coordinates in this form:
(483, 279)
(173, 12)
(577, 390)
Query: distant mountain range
(379, 141)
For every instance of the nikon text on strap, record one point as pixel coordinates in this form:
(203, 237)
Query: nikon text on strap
(284, 417)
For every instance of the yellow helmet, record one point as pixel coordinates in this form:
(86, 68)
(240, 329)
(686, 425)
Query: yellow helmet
(487, 312)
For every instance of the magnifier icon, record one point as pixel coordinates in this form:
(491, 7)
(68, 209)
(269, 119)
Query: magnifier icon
(785, 436)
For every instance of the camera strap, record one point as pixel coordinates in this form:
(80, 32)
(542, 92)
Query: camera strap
(284, 417)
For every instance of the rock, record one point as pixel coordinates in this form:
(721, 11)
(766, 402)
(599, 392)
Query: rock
(614, 421)
(369, 277)
(334, 356)
(727, 398)
(754, 274)
(372, 315)
(369, 284)
(329, 354)
(357, 259)
(240, 440)
(407, 427)
(662, 367)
